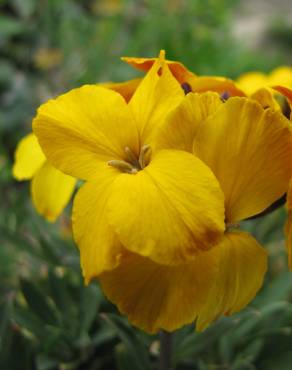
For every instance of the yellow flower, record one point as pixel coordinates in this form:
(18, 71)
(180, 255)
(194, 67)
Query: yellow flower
(51, 190)
(258, 85)
(45, 58)
(167, 177)
(250, 82)
(249, 150)
(288, 227)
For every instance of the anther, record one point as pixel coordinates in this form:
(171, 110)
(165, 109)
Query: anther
(144, 155)
(225, 96)
(122, 166)
(186, 88)
(132, 158)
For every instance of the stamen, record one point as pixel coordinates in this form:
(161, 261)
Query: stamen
(122, 166)
(144, 155)
(186, 88)
(225, 96)
(132, 158)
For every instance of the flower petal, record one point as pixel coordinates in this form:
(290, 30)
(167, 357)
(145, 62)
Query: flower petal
(179, 71)
(249, 149)
(126, 89)
(284, 91)
(51, 191)
(266, 99)
(99, 247)
(220, 85)
(160, 297)
(281, 76)
(242, 266)
(182, 124)
(83, 127)
(170, 210)
(28, 158)
(155, 97)
(252, 81)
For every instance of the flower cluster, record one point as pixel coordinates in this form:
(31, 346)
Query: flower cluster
(171, 164)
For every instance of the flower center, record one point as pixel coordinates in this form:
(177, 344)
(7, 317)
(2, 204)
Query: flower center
(132, 164)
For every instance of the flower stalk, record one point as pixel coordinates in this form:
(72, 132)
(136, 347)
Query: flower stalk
(165, 350)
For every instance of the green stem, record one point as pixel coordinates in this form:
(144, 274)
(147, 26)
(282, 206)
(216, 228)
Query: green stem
(165, 351)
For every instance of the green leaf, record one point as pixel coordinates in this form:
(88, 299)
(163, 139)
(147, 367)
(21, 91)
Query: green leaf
(24, 7)
(44, 362)
(91, 298)
(9, 26)
(282, 362)
(194, 343)
(38, 303)
(132, 351)
(27, 320)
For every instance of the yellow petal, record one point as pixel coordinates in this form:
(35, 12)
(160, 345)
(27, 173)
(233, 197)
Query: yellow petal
(181, 125)
(126, 89)
(170, 210)
(252, 81)
(218, 84)
(242, 266)
(83, 127)
(266, 99)
(99, 247)
(179, 71)
(155, 97)
(51, 191)
(281, 76)
(159, 297)
(249, 149)
(288, 226)
(28, 158)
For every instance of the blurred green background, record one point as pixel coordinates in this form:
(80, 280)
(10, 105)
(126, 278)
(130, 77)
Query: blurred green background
(48, 319)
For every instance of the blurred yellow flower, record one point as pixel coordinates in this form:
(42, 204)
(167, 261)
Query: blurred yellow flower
(259, 85)
(48, 58)
(168, 178)
(51, 190)
(107, 7)
(250, 82)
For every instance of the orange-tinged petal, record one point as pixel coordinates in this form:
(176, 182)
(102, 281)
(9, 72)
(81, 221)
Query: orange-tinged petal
(242, 266)
(182, 124)
(81, 129)
(51, 191)
(179, 71)
(126, 89)
(284, 91)
(160, 297)
(170, 210)
(249, 149)
(155, 97)
(99, 247)
(28, 158)
(218, 84)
